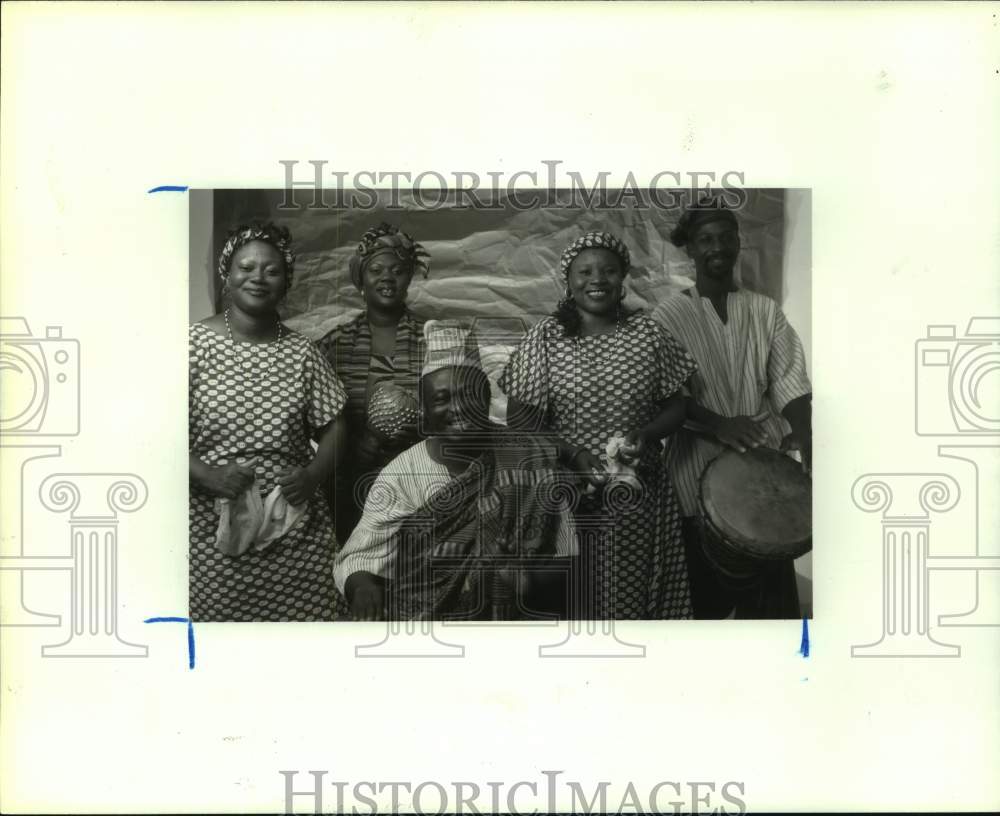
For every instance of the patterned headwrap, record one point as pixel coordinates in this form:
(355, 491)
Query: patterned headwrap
(278, 237)
(706, 210)
(386, 236)
(594, 240)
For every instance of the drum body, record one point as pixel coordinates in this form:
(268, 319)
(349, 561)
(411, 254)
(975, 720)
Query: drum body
(756, 512)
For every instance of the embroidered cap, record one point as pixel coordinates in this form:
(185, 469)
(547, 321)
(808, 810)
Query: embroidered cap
(449, 344)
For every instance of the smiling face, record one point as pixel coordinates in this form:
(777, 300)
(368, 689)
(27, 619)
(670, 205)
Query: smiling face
(257, 278)
(714, 247)
(385, 281)
(595, 280)
(456, 401)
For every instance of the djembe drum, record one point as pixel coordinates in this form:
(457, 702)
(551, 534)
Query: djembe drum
(756, 510)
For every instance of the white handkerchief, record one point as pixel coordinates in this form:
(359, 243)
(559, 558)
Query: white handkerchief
(246, 521)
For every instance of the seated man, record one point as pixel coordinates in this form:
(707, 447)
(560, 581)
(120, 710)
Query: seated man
(468, 523)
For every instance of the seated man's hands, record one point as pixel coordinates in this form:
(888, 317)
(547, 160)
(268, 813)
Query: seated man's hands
(367, 596)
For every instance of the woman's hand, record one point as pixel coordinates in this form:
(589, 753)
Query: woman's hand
(297, 484)
(226, 481)
(589, 468)
(740, 432)
(635, 444)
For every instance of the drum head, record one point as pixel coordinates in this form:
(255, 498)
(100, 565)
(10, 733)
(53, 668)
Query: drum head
(760, 501)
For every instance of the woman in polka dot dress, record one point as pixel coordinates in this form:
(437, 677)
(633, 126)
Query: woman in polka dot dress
(591, 372)
(258, 394)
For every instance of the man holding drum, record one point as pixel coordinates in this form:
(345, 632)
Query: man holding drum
(751, 390)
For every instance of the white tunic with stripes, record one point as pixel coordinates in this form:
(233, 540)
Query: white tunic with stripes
(751, 365)
(401, 489)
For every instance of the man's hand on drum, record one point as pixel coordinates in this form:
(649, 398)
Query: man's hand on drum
(798, 412)
(796, 442)
(740, 432)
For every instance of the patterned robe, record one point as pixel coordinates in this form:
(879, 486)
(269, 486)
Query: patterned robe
(589, 389)
(438, 537)
(262, 401)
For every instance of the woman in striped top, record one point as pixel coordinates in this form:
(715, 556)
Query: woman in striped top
(383, 345)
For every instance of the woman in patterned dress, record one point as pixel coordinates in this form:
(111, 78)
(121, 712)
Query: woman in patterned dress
(382, 345)
(590, 372)
(258, 393)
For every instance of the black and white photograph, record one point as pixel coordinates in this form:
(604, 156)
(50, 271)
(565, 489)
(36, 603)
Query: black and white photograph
(500, 405)
(590, 407)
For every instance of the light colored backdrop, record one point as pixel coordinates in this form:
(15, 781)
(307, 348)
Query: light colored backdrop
(483, 262)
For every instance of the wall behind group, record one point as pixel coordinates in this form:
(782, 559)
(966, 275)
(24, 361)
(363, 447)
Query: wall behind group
(484, 262)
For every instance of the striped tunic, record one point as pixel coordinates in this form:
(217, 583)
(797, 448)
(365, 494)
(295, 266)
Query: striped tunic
(349, 351)
(402, 488)
(749, 366)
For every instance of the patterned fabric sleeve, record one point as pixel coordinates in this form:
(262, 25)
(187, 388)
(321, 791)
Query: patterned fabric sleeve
(786, 364)
(325, 395)
(674, 365)
(526, 375)
(192, 382)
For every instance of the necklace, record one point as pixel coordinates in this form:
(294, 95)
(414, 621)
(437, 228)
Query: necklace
(602, 359)
(244, 358)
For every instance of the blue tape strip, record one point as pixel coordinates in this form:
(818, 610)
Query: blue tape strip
(190, 633)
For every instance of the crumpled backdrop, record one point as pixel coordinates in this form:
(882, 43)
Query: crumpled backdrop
(490, 263)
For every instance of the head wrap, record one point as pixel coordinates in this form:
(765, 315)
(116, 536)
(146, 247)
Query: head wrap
(594, 240)
(449, 344)
(278, 237)
(705, 211)
(387, 237)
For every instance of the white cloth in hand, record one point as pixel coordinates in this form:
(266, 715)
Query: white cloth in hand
(246, 521)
